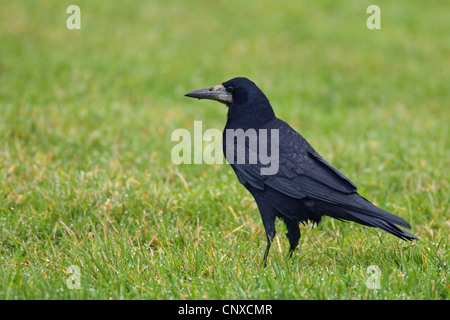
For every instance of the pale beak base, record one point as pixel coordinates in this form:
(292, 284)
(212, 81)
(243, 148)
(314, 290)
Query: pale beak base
(217, 93)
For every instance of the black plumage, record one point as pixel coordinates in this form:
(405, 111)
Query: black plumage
(304, 187)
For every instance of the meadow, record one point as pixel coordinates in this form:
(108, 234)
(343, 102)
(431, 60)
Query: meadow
(86, 176)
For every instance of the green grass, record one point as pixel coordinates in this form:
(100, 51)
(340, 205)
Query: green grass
(86, 177)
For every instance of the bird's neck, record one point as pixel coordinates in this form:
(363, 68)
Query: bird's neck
(249, 116)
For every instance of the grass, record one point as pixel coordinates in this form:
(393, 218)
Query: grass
(87, 180)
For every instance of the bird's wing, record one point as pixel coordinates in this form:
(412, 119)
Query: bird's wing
(302, 172)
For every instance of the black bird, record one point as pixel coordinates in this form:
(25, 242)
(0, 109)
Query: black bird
(304, 187)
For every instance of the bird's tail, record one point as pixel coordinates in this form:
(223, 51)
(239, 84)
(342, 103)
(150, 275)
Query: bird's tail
(382, 224)
(372, 216)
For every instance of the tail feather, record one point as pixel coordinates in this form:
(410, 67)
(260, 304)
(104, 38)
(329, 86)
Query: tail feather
(361, 206)
(373, 221)
(387, 226)
(372, 210)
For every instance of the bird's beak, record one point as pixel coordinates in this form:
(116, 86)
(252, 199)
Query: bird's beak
(217, 93)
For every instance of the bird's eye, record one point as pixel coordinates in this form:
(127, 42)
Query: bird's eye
(229, 89)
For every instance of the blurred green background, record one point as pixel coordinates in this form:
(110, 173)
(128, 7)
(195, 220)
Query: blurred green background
(86, 117)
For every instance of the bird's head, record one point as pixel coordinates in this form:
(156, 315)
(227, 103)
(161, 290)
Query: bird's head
(243, 98)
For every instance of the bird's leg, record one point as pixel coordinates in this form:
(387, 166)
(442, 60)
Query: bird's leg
(268, 217)
(293, 234)
(270, 237)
